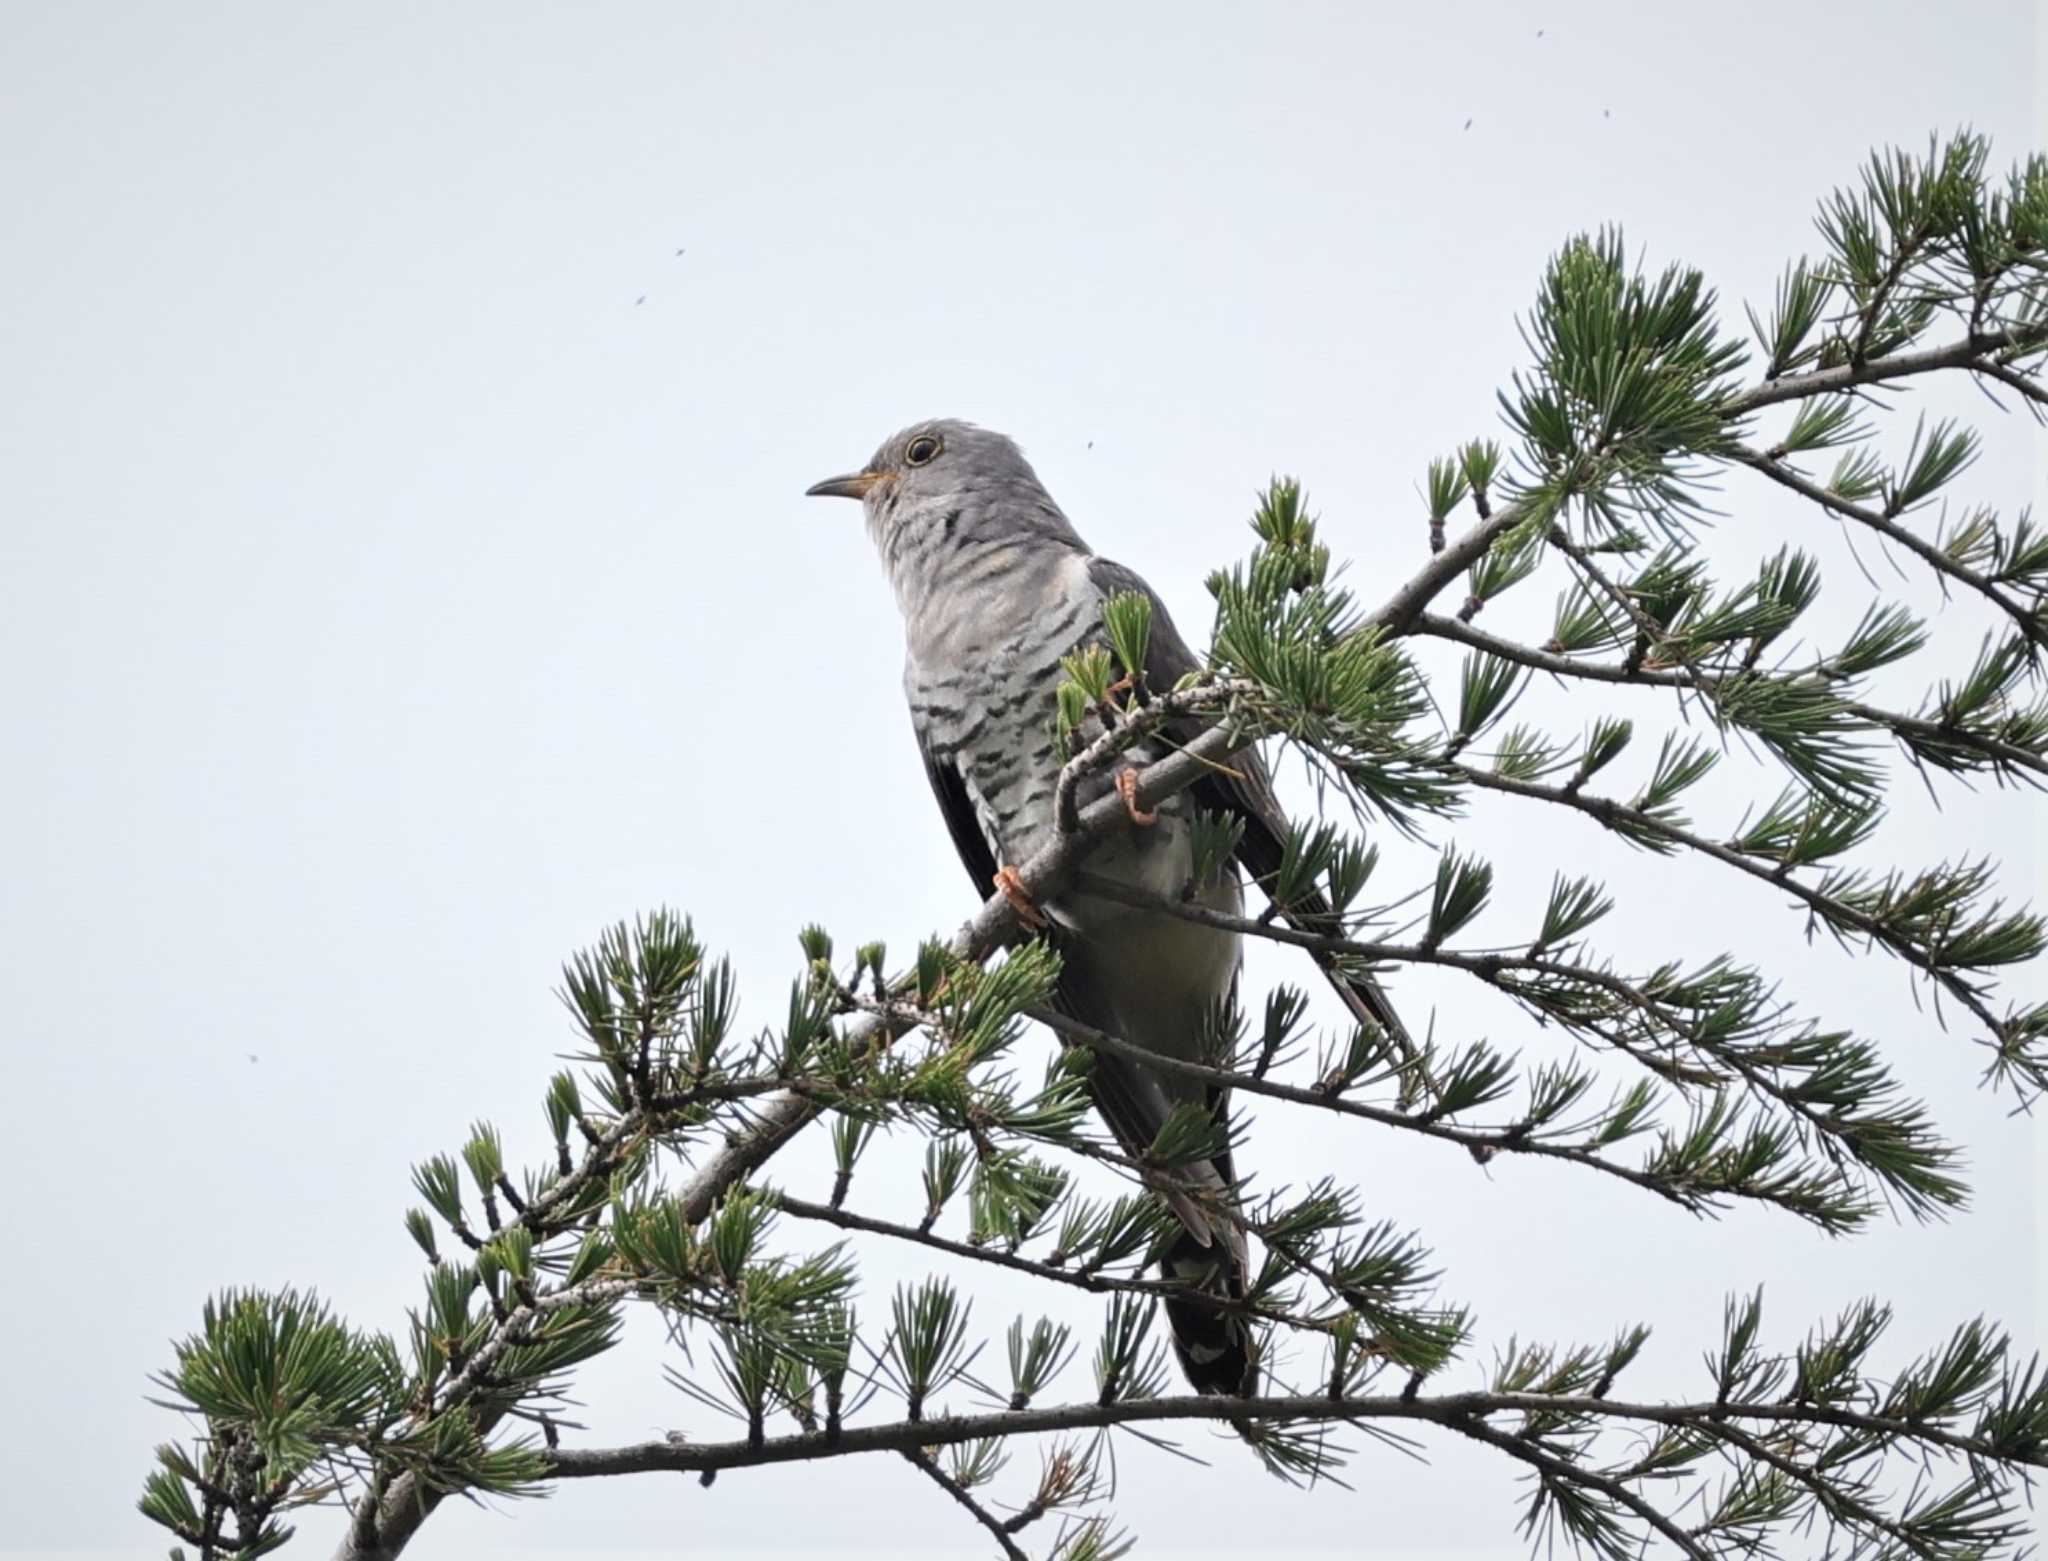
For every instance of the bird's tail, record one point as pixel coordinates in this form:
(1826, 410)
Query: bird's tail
(1217, 1348)
(1207, 1252)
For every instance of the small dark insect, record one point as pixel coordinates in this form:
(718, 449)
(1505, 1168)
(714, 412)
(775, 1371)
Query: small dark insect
(1468, 124)
(1607, 113)
(1091, 444)
(679, 254)
(252, 1056)
(640, 300)
(1539, 32)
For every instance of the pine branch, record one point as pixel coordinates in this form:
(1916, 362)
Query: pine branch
(1834, 912)
(1967, 352)
(1830, 1497)
(407, 1503)
(1570, 1473)
(1980, 350)
(1090, 1280)
(1131, 729)
(1800, 1189)
(2028, 620)
(1466, 1414)
(2003, 756)
(1397, 615)
(2031, 389)
(1481, 1143)
(960, 1493)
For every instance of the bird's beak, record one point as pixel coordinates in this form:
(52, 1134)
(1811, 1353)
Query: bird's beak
(853, 486)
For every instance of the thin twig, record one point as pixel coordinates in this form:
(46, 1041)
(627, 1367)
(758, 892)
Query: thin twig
(1080, 1279)
(2028, 620)
(965, 1497)
(2016, 380)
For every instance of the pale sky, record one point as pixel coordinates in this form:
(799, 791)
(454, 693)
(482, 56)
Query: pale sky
(406, 573)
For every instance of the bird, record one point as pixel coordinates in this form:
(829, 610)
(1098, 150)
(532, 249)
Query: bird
(995, 587)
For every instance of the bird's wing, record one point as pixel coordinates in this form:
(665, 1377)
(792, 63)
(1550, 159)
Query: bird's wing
(1216, 1349)
(1248, 793)
(962, 822)
(1134, 1101)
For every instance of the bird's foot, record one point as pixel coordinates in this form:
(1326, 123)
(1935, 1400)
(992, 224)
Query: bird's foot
(1127, 788)
(1011, 887)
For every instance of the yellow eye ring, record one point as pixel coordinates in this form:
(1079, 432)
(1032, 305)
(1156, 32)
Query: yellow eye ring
(923, 450)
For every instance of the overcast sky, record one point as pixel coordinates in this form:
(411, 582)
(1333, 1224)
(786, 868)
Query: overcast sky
(402, 440)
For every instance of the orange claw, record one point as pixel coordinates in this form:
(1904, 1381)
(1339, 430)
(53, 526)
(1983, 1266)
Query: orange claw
(1011, 887)
(1127, 788)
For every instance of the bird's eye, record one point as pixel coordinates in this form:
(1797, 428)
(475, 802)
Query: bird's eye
(923, 449)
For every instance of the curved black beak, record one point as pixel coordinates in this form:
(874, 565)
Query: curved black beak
(852, 486)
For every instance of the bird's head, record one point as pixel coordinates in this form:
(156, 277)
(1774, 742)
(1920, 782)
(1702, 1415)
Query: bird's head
(931, 462)
(943, 489)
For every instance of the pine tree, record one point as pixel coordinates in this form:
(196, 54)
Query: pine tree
(1694, 1081)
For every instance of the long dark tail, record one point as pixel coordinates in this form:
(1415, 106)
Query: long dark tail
(1217, 1349)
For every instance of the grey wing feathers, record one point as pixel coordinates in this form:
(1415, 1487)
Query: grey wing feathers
(1249, 794)
(1130, 1098)
(1133, 1099)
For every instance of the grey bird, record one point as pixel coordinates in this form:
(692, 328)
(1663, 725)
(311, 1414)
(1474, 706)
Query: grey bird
(995, 587)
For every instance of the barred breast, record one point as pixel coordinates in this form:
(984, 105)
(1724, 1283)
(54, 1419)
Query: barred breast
(991, 708)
